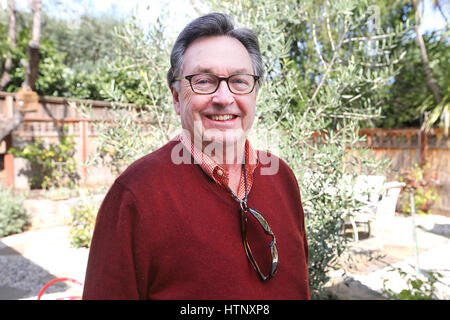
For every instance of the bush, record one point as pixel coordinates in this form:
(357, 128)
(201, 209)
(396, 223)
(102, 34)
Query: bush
(13, 216)
(421, 287)
(51, 165)
(83, 222)
(423, 188)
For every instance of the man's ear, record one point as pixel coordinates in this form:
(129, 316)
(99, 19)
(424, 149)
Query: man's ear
(176, 100)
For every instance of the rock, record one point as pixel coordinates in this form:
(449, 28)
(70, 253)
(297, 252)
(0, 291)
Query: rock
(351, 289)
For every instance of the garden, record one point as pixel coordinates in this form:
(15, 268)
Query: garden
(333, 69)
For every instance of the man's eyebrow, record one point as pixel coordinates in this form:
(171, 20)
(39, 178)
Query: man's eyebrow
(202, 70)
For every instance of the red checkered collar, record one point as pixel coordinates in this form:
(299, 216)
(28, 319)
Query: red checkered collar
(217, 172)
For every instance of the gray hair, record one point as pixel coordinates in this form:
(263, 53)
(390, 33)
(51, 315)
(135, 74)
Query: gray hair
(213, 24)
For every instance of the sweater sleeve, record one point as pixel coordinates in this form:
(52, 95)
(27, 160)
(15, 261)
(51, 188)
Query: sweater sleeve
(111, 271)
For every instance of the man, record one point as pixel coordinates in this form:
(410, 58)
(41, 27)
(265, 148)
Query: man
(198, 218)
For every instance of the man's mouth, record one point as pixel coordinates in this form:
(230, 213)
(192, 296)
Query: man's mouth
(222, 117)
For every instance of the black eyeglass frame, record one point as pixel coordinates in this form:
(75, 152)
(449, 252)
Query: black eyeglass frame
(226, 79)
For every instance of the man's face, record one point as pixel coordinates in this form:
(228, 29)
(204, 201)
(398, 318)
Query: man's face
(222, 116)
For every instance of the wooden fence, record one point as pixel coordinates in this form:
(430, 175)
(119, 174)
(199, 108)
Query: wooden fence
(403, 147)
(406, 147)
(46, 123)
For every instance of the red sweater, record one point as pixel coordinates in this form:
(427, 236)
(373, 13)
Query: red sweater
(167, 231)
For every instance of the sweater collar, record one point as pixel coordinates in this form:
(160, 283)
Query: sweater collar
(219, 174)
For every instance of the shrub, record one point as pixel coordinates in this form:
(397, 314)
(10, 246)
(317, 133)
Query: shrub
(423, 188)
(13, 216)
(83, 222)
(51, 165)
(417, 287)
(138, 76)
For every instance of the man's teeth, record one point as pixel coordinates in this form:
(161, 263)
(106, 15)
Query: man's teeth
(222, 117)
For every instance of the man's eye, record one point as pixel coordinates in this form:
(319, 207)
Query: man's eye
(205, 80)
(240, 81)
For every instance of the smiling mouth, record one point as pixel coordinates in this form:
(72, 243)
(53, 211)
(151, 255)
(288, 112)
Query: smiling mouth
(222, 117)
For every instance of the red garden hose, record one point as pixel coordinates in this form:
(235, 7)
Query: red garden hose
(41, 292)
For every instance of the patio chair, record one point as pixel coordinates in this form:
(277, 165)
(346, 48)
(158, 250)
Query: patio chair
(385, 211)
(380, 200)
(367, 189)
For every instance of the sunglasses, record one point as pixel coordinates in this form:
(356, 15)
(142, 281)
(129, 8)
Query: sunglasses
(245, 210)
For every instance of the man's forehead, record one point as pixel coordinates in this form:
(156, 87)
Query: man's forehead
(199, 68)
(215, 54)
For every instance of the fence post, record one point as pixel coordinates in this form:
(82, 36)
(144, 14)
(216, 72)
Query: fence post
(423, 144)
(83, 131)
(9, 158)
(9, 163)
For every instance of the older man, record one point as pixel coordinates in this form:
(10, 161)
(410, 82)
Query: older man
(204, 217)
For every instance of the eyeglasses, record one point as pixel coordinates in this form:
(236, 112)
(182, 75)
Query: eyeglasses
(268, 231)
(208, 83)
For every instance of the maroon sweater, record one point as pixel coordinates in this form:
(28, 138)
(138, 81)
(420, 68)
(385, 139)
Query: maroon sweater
(167, 231)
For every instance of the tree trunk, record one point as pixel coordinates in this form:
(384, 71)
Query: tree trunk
(32, 66)
(423, 52)
(6, 79)
(9, 124)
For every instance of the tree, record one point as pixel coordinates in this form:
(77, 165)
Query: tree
(8, 125)
(77, 72)
(136, 76)
(32, 65)
(85, 40)
(409, 95)
(5, 78)
(313, 103)
(413, 101)
(442, 105)
(423, 52)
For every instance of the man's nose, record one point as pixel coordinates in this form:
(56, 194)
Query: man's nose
(223, 95)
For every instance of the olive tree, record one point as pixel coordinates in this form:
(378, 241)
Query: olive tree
(312, 107)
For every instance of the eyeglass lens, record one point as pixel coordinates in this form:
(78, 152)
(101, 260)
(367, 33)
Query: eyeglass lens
(259, 242)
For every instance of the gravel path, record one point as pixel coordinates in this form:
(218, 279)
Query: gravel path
(31, 259)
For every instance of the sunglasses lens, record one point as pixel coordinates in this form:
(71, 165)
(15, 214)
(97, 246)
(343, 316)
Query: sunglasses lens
(259, 242)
